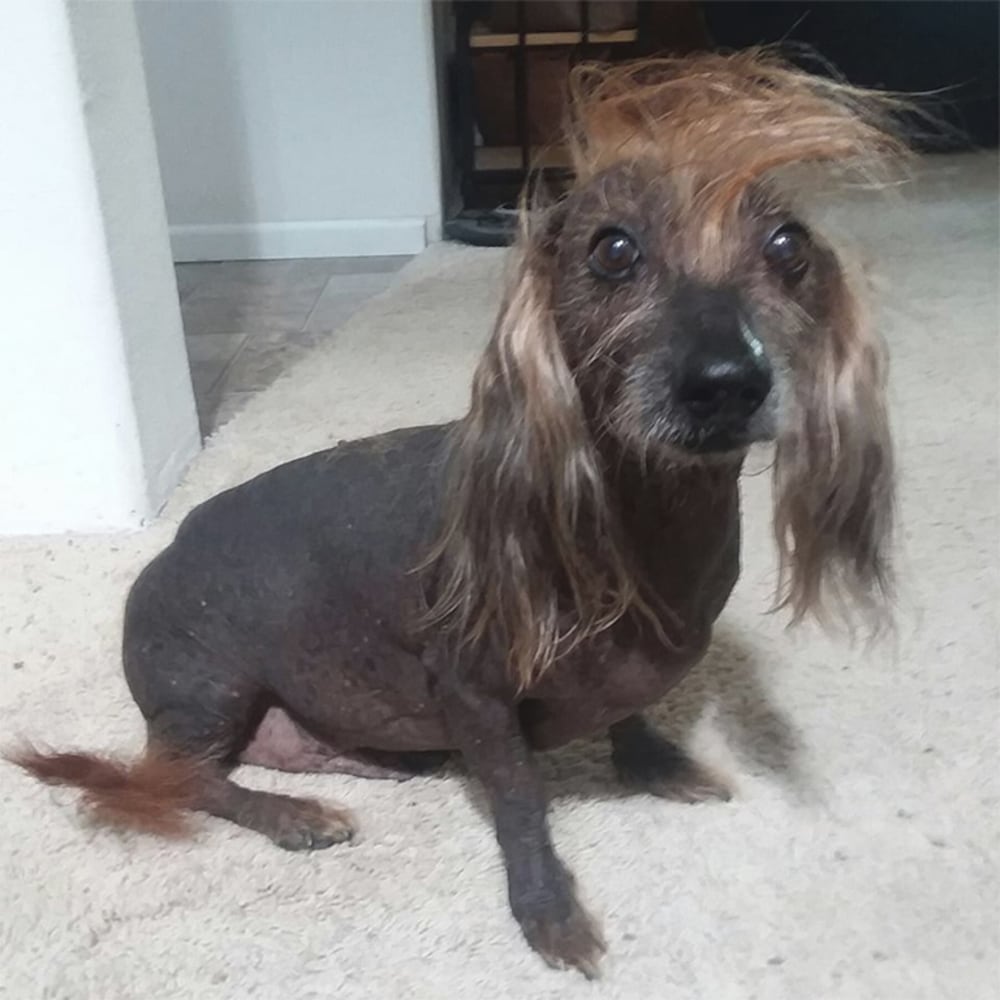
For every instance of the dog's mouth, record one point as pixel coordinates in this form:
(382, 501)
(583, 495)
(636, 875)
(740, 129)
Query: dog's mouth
(714, 448)
(721, 438)
(682, 440)
(716, 442)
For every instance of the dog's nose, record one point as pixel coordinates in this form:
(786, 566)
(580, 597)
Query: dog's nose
(721, 388)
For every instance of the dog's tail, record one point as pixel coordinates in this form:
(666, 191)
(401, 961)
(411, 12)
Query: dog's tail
(152, 795)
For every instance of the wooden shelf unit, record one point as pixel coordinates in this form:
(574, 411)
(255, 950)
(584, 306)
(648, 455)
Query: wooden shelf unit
(482, 38)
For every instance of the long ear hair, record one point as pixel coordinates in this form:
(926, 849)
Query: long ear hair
(529, 557)
(833, 473)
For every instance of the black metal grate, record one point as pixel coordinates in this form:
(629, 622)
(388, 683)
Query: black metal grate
(488, 192)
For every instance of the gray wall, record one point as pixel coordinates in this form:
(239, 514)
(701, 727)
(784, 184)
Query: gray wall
(291, 128)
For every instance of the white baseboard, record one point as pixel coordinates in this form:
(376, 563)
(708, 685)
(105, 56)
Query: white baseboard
(276, 240)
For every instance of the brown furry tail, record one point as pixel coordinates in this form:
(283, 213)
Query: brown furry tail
(151, 795)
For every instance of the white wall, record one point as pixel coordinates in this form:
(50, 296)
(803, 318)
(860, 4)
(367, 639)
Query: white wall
(97, 417)
(291, 128)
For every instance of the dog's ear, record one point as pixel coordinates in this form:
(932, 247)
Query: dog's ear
(527, 517)
(834, 482)
(524, 393)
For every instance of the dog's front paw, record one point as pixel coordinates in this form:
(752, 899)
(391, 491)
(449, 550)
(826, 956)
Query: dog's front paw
(652, 764)
(691, 783)
(566, 936)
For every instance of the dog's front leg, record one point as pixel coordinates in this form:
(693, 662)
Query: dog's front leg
(542, 898)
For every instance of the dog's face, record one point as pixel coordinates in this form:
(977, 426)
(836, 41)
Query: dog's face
(681, 329)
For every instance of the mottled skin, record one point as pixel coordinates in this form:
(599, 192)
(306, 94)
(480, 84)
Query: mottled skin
(291, 590)
(295, 591)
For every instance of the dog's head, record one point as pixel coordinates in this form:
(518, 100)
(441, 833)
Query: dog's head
(680, 350)
(673, 306)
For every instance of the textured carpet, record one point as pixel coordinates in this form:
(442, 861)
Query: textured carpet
(858, 860)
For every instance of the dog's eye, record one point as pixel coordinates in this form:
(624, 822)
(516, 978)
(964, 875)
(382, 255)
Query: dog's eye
(614, 254)
(787, 252)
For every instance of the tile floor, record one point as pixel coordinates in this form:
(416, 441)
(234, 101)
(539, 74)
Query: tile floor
(245, 322)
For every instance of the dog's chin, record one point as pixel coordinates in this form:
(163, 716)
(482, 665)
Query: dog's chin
(676, 441)
(705, 445)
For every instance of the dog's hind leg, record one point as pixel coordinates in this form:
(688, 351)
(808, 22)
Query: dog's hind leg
(203, 700)
(195, 732)
(651, 763)
(200, 711)
(296, 824)
(182, 772)
(213, 727)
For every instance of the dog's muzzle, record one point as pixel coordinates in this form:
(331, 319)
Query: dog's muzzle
(722, 381)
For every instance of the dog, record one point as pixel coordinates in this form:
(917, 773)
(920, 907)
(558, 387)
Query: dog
(551, 564)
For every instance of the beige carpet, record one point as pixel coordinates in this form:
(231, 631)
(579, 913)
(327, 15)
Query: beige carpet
(859, 860)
